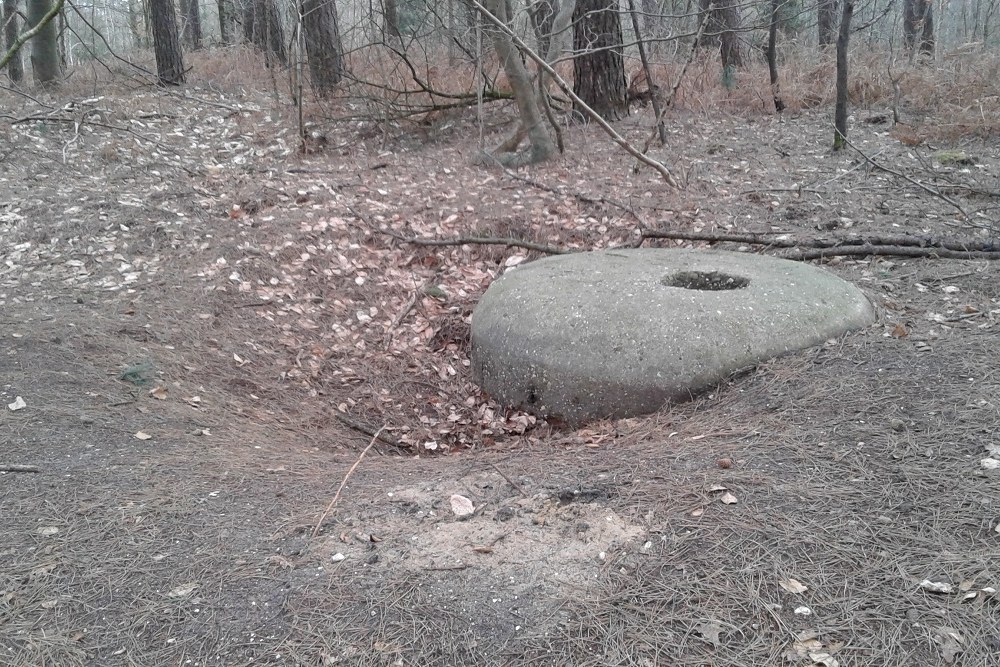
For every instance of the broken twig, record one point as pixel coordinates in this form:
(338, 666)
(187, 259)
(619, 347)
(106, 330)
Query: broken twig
(15, 467)
(336, 497)
(479, 240)
(361, 427)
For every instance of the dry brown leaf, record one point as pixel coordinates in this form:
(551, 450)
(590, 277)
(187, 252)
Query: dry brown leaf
(793, 585)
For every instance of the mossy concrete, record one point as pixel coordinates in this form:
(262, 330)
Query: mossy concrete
(618, 333)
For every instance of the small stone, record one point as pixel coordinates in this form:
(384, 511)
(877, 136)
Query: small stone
(897, 424)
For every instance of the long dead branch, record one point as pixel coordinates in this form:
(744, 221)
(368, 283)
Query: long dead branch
(479, 240)
(890, 250)
(775, 240)
(798, 249)
(362, 427)
(579, 196)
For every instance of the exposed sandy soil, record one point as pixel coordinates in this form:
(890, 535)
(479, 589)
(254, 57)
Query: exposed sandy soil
(174, 268)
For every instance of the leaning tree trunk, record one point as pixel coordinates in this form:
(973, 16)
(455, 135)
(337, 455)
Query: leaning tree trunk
(323, 46)
(15, 66)
(166, 43)
(262, 27)
(840, 114)
(826, 16)
(541, 146)
(191, 16)
(599, 68)
(543, 13)
(45, 65)
(772, 57)
(651, 87)
(918, 26)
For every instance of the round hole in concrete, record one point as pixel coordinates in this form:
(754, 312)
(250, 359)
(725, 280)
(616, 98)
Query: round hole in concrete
(705, 280)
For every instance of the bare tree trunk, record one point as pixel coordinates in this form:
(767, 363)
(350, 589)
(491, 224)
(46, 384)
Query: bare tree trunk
(560, 29)
(654, 23)
(772, 57)
(599, 68)
(147, 24)
(44, 45)
(323, 47)
(390, 26)
(15, 67)
(532, 126)
(191, 17)
(262, 27)
(225, 21)
(826, 16)
(730, 47)
(918, 26)
(166, 42)
(542, 13)
(721, 29)
(61, 40)
(843, 40)
(654, 90)
(135, 22)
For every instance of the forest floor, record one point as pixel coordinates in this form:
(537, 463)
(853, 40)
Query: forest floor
(204, 326)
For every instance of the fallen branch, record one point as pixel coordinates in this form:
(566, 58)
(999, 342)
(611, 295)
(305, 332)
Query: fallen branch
(579, 196)
(401, 315)
(926, 188)
(799, 249)
(15, 467)
(479, 240)
(336, 497)
(890, 250)
(753, 238)
(781, 240)
(361, 427)
(517, 487)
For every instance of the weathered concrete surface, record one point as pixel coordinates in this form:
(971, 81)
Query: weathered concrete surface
(609, 334)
